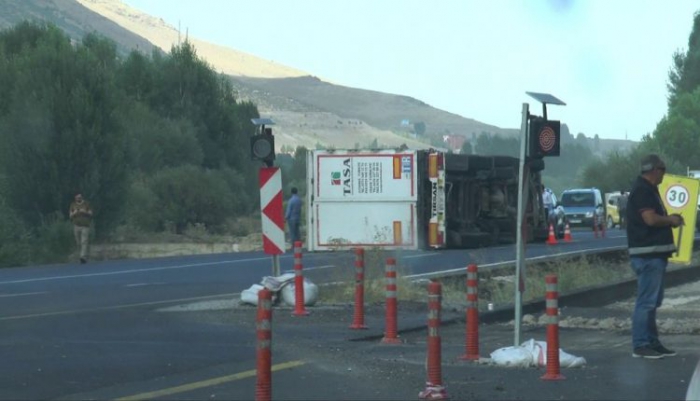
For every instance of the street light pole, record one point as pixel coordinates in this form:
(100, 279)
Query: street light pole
(520, 244)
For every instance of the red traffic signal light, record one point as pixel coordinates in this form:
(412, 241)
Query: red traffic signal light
(545, 137)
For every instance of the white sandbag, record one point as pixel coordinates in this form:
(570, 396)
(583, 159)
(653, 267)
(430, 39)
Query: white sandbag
(310, 293)
(512, 357)
(538, 350)
(250, 296)
(275, 284)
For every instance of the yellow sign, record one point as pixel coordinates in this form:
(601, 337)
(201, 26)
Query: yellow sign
(680, 196)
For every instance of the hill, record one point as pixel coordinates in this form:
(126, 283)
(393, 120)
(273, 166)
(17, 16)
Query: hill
(308, 110)
(73, 18)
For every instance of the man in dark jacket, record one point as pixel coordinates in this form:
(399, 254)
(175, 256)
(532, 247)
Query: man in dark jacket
(622, 209)
(293, 216)
(650, 241)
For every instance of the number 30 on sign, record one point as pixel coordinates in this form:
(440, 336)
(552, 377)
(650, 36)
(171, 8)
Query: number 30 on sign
(677, 196)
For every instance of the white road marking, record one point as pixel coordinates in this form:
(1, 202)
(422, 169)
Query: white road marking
(21, 295)
(114, 273)
(311, 268)
(425, 255)
(142, 284)
(506, 262)
(116, 307)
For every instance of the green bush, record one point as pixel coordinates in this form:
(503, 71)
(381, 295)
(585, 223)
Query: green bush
(179, 198)
(51, 242)
(14, 238)
(54, 241)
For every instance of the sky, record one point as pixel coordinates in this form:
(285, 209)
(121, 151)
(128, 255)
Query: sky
(608, 60)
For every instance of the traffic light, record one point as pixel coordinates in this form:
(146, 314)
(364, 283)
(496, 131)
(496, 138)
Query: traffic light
(262, 147)
(545, 138)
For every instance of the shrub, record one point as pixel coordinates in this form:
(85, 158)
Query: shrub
(187, 196)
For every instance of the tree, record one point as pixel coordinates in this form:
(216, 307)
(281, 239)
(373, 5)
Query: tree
(466, 148)
(59, 127)
(684, 76)
(489, 144)
(419, 128)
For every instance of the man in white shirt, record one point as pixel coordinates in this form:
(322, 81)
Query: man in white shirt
(548, 201)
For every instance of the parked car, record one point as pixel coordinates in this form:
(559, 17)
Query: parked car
(583, 207)
(612, 209)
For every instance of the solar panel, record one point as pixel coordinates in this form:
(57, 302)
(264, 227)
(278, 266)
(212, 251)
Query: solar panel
(262, 121)
(545, 98)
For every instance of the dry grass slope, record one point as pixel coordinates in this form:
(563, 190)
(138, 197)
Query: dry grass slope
(308, 110)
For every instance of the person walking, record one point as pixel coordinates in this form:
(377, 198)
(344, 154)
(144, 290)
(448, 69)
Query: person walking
(293, 216)
(80, 214)
(650, 243)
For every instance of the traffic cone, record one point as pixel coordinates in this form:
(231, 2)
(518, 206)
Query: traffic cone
(552, 239)
(567, 233)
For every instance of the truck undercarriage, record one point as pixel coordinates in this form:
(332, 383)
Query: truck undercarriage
(482, 201)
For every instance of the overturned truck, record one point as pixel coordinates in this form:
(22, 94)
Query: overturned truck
(418, 199)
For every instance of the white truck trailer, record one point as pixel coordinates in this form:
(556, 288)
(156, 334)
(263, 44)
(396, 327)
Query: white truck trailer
(415, 199)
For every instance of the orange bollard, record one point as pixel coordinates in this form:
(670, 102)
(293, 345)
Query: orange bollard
(567, 233)
(551, 239)
(552, 297)
(391, 334)
(472, 337)
(358, 318)
(299, 309)
(434, 389)
(263, 384)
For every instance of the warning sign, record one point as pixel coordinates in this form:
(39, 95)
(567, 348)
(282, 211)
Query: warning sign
(680, 194)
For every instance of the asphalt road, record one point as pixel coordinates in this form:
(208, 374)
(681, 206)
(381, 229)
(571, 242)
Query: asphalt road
(97, 330)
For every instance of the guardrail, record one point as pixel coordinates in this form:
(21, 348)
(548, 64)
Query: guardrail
(508, 267)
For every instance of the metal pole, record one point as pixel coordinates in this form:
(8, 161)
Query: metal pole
(520, 257)
(275, 265)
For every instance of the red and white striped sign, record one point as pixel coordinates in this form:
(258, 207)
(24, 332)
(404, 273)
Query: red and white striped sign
(271, 207)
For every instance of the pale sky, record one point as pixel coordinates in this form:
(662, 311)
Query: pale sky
(608, 60)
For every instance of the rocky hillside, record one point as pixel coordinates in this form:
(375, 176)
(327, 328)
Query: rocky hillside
(308, 110)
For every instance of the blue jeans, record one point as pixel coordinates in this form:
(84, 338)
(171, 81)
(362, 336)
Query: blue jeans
(294, 230)
(650, 294)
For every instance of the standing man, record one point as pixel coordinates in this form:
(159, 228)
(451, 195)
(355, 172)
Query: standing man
(650, 242)
(622, 209)
(80, 214)
(547, 201)
(293, 216)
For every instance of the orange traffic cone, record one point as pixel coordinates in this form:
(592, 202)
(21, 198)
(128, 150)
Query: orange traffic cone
(552, 239)
(567, 233)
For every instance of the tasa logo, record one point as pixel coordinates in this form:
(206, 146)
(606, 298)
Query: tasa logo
(347, 177)
(434, 200)
(335, 178)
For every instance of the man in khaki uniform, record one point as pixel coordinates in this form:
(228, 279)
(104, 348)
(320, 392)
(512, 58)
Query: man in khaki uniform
(80, 214)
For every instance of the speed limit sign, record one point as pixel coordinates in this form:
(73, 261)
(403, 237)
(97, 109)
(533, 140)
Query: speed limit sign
(677, 196)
